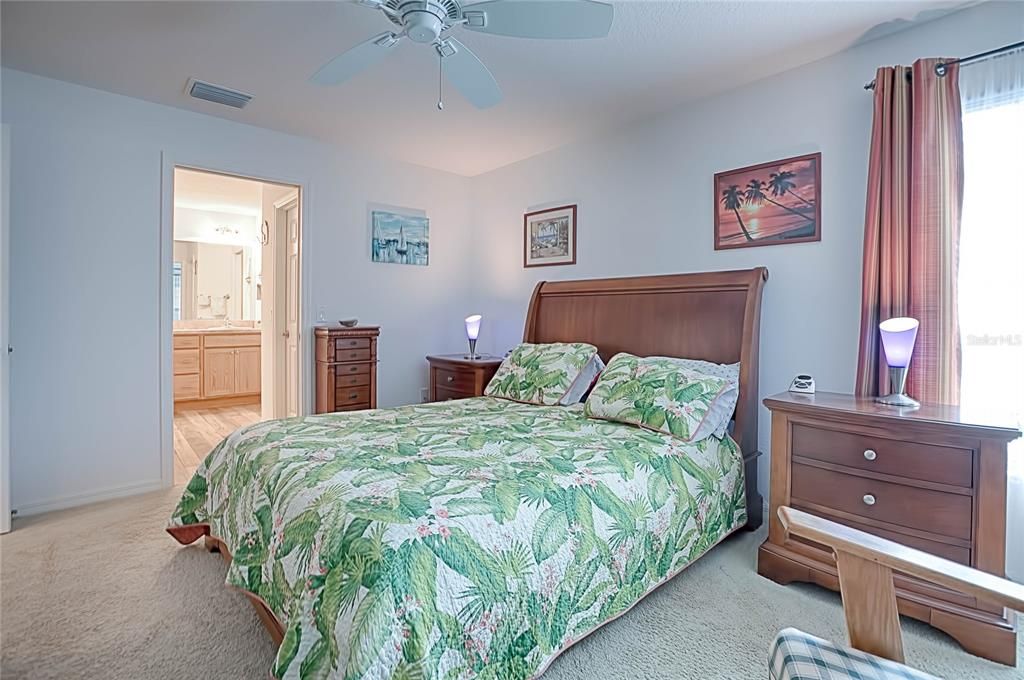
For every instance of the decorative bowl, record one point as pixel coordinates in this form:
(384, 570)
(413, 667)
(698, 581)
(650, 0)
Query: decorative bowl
(349, 323)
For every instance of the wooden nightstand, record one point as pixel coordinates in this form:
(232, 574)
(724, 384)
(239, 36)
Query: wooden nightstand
(452, 376)
(927, 478)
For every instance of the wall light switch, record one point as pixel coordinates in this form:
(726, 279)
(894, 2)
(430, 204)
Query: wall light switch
(321, 314)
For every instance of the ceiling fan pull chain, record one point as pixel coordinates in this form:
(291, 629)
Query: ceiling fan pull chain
(440, 82)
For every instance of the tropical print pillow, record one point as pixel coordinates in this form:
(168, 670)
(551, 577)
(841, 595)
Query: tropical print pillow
(661, 393)
(730, 372)
(542, 374)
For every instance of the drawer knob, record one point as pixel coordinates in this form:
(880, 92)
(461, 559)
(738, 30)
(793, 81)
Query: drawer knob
(869, 499)
(870, 454)
(353, 395)
(451, 378)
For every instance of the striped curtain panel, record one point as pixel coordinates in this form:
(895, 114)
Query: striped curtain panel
(912, 228)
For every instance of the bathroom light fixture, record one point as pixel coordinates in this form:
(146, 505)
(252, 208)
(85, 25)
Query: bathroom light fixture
(898, 336)
(472, 333)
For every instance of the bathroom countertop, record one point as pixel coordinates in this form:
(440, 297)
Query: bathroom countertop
(216, 329)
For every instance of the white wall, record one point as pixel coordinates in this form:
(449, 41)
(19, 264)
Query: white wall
(85, 226)
(646, 200)
(192, 224)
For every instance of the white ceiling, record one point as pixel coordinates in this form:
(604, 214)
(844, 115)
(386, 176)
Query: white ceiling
(659, 54)
(219, 193)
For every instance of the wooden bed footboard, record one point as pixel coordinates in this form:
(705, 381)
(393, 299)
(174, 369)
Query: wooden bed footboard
(191, 534)
(267, 617)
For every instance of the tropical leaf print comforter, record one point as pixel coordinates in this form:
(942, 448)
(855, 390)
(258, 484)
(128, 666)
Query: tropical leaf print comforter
(465, 539)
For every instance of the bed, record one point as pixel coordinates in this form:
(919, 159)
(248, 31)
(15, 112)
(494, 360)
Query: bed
(483, 537)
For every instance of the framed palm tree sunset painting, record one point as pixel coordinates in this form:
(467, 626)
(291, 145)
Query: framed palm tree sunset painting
(769, 204)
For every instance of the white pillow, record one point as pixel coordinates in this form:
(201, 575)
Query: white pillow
(730, 372)
(583, 381)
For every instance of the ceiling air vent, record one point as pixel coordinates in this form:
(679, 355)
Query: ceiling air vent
(217, 94)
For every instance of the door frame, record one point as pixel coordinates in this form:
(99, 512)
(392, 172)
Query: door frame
(280, 237)
(5, 338)
(168, 163)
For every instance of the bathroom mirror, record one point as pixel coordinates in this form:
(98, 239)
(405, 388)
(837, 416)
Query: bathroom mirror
(216, 281)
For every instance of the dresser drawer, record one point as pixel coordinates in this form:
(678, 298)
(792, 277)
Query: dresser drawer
(353, 407)
(186, 387)
(186, 361)
(938, 512)
(925, 462)
(186, 341)
(951, 552)
(341, 344)
(459, 381)
(249, 339)
(352, 380)
(344, 396)
(352, 354)
(444, 394)
(342, 370)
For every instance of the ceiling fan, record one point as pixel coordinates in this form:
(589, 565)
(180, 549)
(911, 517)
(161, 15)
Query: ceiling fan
(431, 22)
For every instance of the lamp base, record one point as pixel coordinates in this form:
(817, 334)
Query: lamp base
(472, 350)
(897, 389)
(472, 357)
(901, 400)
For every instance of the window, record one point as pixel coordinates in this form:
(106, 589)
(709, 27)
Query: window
(176, 290)
(991, 279)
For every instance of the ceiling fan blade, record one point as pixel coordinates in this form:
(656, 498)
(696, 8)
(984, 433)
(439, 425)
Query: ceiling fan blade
(360, 57)
(468, 74)
(540, 18)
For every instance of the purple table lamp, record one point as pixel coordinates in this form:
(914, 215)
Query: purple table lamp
(472, 333)
(898, 336)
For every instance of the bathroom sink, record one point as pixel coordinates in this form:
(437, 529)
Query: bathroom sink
(219, 329)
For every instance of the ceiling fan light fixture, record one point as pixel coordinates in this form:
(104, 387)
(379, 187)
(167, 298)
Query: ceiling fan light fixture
(475, 19)
(423, 26)
(432, 22)
(446, 49)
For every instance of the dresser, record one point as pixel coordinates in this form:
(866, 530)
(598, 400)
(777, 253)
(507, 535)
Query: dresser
(346, 368)
(928, 478)
(453, 376)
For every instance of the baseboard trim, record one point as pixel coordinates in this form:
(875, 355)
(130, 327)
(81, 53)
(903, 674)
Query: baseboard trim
(217, 402)
(65, 502)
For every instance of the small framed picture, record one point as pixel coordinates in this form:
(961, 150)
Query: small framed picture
(399, 236)
(769, 204)
(549, 237)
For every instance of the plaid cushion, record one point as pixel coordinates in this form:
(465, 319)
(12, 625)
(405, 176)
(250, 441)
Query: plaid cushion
(798, 656)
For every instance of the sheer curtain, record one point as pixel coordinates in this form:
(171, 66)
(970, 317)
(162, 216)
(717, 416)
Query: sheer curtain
(991, 276)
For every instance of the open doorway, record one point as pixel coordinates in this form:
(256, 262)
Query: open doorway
(235, 308)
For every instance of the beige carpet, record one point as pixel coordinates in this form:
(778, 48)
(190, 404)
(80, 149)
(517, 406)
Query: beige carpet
(103, 592)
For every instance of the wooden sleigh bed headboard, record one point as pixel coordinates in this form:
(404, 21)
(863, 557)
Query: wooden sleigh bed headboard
(714, 316)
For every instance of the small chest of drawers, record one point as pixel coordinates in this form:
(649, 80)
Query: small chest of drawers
(346, 368)
(452, 376)
(926, 478)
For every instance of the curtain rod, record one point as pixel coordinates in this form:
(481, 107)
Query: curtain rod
(941, 67)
